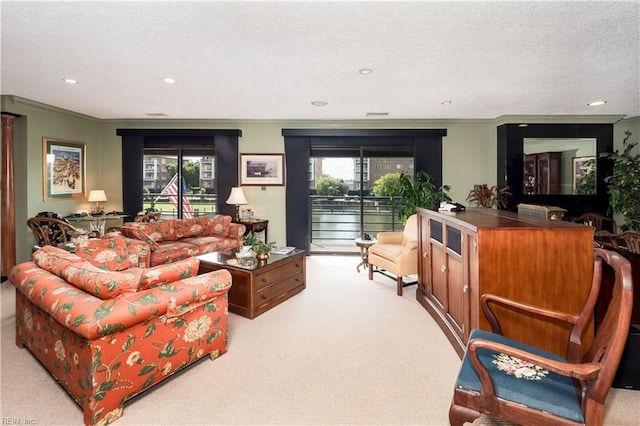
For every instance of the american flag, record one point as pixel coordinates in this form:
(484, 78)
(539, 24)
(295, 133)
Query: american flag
(172, 191)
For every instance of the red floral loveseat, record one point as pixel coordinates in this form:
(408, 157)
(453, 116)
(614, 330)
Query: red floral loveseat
(175, 239)
(107, 330)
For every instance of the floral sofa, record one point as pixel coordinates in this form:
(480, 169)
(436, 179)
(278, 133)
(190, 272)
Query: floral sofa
(108, 330)
(175, 239)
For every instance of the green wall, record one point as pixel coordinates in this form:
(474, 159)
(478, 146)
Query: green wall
(469, 154)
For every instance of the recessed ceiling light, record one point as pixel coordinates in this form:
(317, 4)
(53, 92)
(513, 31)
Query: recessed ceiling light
(319, 103)
(523, 125)
(365, 71)
(597, 103)
(168, 80)
(446, 102)
(70, 81)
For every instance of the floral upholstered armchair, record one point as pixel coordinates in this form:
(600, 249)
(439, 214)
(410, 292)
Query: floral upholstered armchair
(108, 335)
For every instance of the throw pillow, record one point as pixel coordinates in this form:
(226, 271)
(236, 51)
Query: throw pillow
(54, 259)
(111, 254)
(220, 225)
(138, 232)
(102, 284)
(164, 274)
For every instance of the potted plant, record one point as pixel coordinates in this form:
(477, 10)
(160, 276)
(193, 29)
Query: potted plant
(259, 247)
(485, 196)
(262, 249)
(623, 185)
(250, 239)
(409, 194)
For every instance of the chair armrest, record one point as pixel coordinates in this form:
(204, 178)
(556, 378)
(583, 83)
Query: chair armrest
(389, 237)
(517, 306)
(408, 248)
(236, 232)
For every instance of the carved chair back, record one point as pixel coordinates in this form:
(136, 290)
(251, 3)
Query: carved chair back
(577, 392)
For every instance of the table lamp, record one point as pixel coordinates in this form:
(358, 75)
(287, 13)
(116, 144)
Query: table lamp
(237, 198)
(97, 196)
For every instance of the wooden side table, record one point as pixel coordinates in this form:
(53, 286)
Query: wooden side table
(255, 225)
(364, 251)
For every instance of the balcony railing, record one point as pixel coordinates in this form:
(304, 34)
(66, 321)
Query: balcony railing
(337, 221)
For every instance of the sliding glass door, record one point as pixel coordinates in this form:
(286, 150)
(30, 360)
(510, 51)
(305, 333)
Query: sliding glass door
(348, 198)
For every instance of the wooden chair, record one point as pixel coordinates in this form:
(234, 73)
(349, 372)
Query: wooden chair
(525, 385)
(148, 217)
(629, 239)
(598, 222)
(51, 231)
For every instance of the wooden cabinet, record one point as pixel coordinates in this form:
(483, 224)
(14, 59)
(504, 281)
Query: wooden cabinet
(542, 173)
(529, 259)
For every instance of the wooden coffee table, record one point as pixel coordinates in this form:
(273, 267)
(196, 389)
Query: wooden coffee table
(258, 288)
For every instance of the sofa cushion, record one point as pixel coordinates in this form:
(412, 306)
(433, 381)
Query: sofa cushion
(388, 251)
(171, 251)
(164, 274)
(100, 283)
(111, 254)
(54, 259)
(211, 244)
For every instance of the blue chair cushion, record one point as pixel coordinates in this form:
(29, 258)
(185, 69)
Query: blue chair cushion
(522, 382)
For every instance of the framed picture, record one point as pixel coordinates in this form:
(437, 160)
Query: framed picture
(584, 175)
(63, 169)
(262, 169)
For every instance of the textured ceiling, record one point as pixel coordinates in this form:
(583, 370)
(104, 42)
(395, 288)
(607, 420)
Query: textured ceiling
(271, 59)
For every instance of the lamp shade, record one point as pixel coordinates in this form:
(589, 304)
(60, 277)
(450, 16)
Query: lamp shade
(237, 196)
(97, 195)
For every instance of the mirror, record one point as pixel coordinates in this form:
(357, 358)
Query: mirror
(563, 166)
(570, 140)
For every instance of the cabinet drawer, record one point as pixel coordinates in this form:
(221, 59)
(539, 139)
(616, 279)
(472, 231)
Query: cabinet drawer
(274, 275)
(273, 292)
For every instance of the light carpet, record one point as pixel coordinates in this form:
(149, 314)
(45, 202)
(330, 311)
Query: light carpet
(344, 351)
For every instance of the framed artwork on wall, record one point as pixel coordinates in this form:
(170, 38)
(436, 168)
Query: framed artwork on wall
(262, 169)
(63, 169)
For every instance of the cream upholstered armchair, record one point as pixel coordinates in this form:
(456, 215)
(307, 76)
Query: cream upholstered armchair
(396, 252)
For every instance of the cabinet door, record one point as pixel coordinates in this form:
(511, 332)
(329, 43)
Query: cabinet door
(543, 174)
(549, 164)
(437, 286)
(424, 263)
(457, 305)
(473, 289)
(530, 174)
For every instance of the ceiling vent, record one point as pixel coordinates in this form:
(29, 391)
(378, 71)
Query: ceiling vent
(377, 114)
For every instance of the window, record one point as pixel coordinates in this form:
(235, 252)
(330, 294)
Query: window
(213, 152)
(185, 191)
